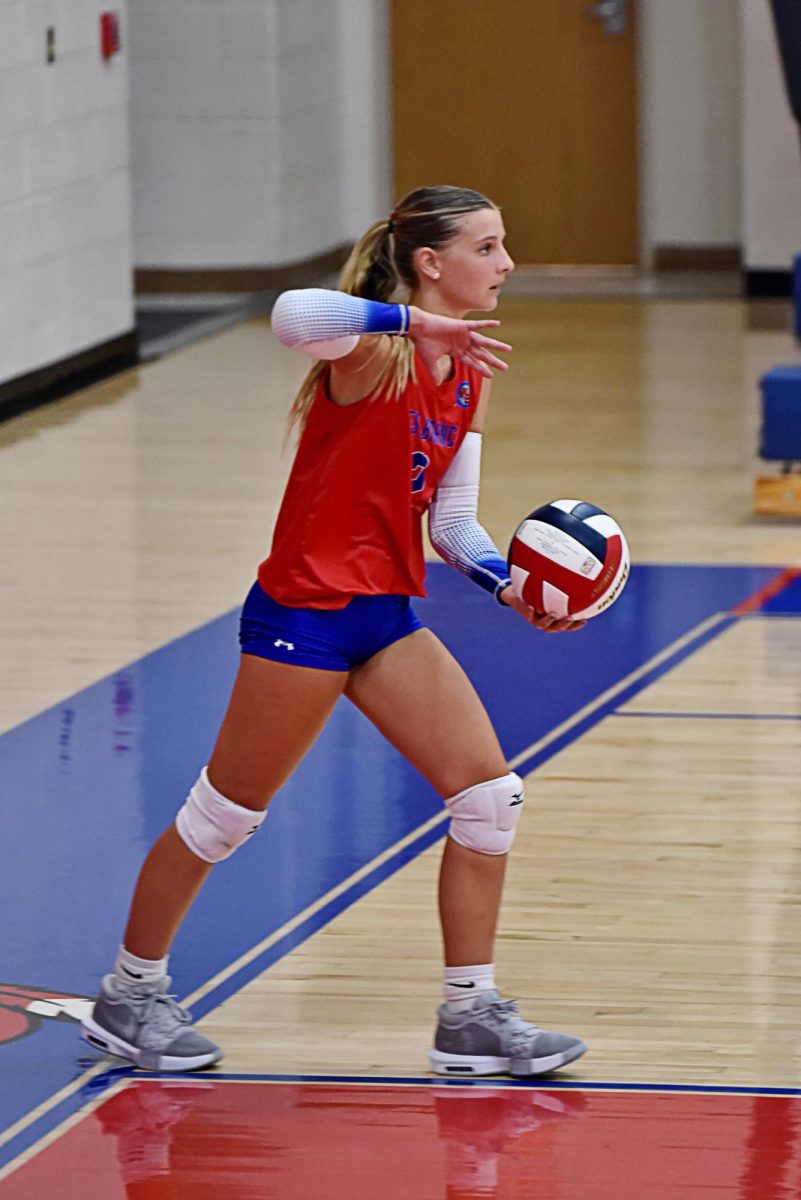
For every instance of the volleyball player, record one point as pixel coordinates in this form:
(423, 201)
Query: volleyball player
(390, 417)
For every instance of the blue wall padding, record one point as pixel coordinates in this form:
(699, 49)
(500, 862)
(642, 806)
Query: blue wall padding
(781, 413)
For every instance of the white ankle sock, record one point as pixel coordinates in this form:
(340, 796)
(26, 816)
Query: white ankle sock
(138, 974)
(461, 985)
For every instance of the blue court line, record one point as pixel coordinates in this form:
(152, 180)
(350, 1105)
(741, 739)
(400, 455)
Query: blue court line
(710, 716)
(541, 1082)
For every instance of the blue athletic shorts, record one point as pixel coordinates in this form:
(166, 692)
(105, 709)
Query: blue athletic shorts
(332, 639)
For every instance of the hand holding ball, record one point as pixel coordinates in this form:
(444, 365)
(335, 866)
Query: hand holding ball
(569, 559)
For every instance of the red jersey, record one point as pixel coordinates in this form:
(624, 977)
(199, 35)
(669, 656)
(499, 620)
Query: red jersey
(350, 522)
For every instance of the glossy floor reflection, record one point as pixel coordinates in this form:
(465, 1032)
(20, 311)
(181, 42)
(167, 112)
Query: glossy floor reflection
(163, 1139)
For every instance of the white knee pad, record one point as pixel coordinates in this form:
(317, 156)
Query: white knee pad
(485, 816)
(212, 826)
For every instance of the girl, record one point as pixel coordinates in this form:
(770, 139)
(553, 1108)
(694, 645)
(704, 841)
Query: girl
(391, 416)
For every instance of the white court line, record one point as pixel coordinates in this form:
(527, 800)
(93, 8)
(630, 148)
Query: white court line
(64, 1093)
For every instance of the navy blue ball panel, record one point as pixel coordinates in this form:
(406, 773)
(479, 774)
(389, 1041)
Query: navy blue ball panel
(583, 510)
(573, 527)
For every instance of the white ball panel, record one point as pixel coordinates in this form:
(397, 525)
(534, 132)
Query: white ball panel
(565, 505)
(560, 547)
(554, 601)
(604, 524)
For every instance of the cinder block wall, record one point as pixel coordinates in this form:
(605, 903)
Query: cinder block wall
(65, 212)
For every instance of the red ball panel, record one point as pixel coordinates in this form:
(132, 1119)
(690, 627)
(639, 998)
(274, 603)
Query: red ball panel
(581, 591)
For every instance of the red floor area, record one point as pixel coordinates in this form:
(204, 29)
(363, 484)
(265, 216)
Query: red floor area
(172, 1140)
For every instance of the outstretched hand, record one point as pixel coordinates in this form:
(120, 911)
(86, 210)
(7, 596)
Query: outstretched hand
(435, 336)
(542, 621)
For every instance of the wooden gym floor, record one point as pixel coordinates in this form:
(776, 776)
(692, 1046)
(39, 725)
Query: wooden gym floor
(653, 896)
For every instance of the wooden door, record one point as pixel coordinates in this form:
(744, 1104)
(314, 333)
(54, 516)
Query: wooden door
(532, 102)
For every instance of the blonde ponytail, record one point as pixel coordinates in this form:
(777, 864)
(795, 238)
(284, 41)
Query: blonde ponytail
(370, 272)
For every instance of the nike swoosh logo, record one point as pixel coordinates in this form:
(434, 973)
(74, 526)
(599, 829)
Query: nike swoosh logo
(133, 974)
(125, 1028)
(461, 985)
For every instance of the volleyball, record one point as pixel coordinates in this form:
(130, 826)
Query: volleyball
(569, 559)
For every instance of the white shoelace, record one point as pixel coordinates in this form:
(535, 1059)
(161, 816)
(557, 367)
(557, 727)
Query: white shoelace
(519, 1031)
(162, 1017)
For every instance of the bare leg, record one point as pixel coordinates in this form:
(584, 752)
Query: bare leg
(421, 700)
(470, 888)
(274, 714)
(168, 882)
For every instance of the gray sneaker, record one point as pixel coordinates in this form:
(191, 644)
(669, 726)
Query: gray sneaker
(151, 1030)
(492, 1039)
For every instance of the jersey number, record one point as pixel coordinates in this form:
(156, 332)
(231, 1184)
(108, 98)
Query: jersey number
(420, 463)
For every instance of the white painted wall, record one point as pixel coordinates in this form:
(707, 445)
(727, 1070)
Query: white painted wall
(259, 128)
(65, 225)
(771, 180)
(690, 98)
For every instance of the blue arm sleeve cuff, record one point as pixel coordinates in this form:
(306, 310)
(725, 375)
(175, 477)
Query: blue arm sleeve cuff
(386, 318)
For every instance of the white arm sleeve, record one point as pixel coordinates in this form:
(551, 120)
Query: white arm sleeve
(328, 324)
(453, 525)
